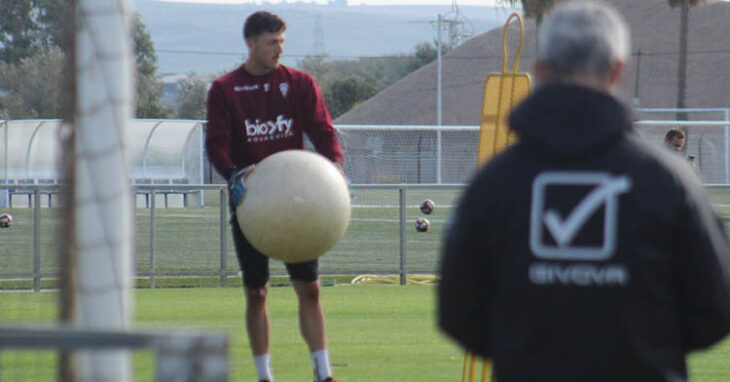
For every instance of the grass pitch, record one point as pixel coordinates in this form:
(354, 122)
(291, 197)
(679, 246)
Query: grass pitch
(187, 240)
(375, 333)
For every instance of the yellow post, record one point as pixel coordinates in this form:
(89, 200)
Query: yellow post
(485, 370)
(469, 370)
(464, 373)
(473, 367)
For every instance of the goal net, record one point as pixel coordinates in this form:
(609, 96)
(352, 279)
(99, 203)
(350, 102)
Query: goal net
(409, 154)
(707, 142)
(378, 154)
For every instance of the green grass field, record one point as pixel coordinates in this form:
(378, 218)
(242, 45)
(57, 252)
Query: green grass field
(187, 239)
(376, 333)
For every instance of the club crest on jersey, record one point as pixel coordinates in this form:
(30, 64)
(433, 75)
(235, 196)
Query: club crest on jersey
(284, 87)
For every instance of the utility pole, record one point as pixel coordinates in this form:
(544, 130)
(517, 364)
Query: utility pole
(459, 29)
(319, 36)
(438, 72)
(636, 79)
(455, 23)
(438, 102)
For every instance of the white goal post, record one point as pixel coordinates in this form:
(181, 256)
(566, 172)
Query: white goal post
(101, 202)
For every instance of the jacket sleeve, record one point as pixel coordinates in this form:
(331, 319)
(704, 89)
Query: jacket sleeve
(703, 266)
(218, 131)
(318, 123)
(464, 291)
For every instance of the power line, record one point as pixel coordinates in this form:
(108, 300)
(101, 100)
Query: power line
(205, 52)
(318, 48)
(674, 53)
(397, 56)
(405, 56)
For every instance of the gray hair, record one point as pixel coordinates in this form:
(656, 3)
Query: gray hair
(583, 38)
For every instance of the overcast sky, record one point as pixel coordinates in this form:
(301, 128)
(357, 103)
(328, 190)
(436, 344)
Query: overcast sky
(359, 2)
(354, 2)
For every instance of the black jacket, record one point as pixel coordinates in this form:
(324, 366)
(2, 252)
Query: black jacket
(583, 254)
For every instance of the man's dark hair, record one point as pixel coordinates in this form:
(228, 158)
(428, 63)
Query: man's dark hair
(262, 22)
(674, 132)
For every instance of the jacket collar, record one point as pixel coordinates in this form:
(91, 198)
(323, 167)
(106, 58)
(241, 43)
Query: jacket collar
(570, 119)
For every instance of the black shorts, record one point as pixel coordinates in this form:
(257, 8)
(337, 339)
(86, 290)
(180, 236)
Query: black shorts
(255, 266)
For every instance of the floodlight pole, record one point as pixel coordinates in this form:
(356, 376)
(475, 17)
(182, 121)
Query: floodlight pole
(6, 119)
(438, 73)
(4, 201)
(726, 135)
(438, 101)
(403, 247)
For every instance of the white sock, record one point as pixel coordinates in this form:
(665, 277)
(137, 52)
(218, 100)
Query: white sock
(263, 366)
(321, 364)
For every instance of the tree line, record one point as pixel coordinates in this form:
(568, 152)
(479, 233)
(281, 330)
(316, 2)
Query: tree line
(36, 40)
(343, 83)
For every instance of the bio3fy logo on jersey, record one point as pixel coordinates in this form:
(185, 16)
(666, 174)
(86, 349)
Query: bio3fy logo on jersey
(574, 217)
(259, 131)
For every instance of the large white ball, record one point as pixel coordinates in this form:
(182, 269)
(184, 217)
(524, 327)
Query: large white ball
(296, 206)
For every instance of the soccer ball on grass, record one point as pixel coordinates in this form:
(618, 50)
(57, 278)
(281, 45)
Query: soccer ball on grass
(6, 220)
(427, 206)
(422, 224)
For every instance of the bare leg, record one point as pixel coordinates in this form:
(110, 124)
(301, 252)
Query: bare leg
(257, 320)
(311, 317)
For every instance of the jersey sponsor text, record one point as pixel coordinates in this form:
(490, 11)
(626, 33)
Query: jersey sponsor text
(269, 130)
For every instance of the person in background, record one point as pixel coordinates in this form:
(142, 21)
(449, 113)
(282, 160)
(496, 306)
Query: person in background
(674, 139)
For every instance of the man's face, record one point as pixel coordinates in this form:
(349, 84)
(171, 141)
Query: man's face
(265, 50)
(675, 143)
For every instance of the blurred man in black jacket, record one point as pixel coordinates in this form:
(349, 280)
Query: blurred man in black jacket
(581, 253)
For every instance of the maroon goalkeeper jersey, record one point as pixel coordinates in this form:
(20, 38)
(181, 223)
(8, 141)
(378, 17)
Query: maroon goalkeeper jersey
(251, 117)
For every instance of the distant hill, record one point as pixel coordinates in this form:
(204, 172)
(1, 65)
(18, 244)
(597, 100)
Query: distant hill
(206, 38)
(650, 79)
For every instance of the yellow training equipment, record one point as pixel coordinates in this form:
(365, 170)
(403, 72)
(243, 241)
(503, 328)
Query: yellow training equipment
(502, 91)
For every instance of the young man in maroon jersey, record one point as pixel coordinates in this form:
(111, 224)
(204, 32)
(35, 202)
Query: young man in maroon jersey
(254, 111)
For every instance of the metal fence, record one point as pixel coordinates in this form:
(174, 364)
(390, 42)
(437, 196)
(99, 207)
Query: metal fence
(178, 356)
(382, 196)
(172, 151)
